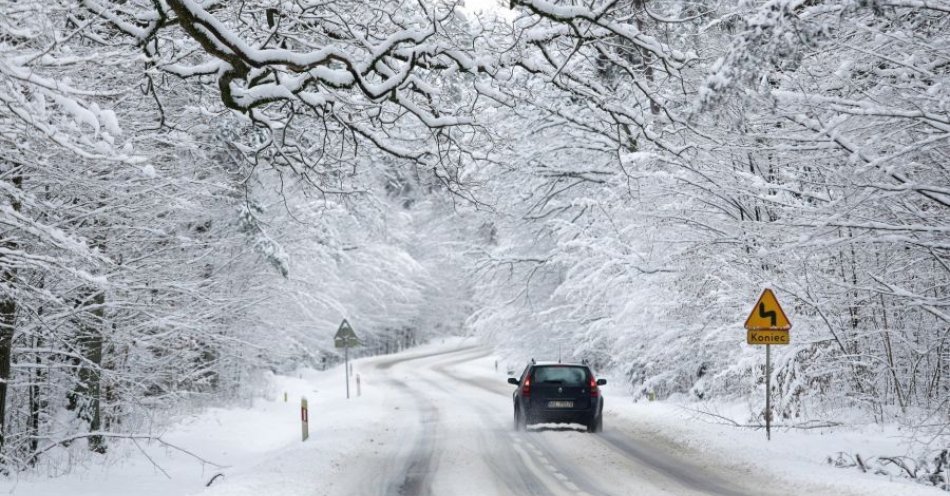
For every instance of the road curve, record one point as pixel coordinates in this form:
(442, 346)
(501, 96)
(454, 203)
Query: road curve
(463, 443)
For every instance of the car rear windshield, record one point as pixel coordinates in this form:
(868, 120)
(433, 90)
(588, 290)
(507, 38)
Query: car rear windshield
(559, 374)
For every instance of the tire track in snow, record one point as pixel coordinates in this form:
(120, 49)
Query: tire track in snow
(527, 452)
(505, 466)
(687, 475)
(388, 363)
(414, 479)
(419, 466)
(691, 478)
(502, 466)
(515, 481)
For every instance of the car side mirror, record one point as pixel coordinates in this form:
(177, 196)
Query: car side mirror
(512, 380)
(601, 382)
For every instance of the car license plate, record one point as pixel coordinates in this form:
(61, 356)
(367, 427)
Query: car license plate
(560, 404)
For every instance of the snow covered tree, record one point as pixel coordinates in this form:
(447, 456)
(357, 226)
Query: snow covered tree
(693, 154)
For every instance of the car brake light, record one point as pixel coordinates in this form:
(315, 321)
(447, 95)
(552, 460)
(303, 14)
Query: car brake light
(526, 388)
(594, 392)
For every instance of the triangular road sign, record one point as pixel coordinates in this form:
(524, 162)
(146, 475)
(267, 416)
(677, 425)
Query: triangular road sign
(345, 336)
(767, 314)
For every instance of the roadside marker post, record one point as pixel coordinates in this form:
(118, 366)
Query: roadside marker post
(304, 419)
(285, 396)
(767, 324)
(359, 392)
(345, 338)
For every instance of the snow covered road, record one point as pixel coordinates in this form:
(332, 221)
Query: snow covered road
(462, 442)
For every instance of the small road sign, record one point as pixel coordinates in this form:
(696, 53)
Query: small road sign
(767, 323)
(345, 336)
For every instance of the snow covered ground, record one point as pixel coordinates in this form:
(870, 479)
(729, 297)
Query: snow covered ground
(436, 420)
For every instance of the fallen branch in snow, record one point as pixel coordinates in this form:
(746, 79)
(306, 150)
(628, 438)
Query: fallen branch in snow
(214, 478)
(727, 419)
(150, 459)
(860, 463)
(899, 461)
(807, 425)
(133, 437)
(919, 470)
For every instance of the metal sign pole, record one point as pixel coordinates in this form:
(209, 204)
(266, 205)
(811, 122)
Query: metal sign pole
(768, 392)
(346, 365)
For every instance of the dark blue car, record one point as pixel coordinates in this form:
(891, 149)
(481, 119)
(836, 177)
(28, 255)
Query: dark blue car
(558, 393)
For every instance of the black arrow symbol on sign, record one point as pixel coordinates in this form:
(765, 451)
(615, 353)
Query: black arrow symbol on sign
(770, 315)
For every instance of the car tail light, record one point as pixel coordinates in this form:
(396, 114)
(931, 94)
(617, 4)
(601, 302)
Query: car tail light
(594, 392)
(526, 388)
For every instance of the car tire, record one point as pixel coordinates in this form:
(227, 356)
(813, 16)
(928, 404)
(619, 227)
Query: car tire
(520, 421)
(596, 424)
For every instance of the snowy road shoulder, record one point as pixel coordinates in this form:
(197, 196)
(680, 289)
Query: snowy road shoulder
(794, 459)
(354, 444)
(257, 448)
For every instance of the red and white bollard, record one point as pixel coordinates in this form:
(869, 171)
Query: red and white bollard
(304, 419)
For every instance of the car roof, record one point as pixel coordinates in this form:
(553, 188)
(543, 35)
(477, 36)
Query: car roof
(563, 364)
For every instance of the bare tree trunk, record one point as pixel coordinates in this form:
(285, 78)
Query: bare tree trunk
(889, 352)
(7, 325)
(8, 308)
(86, 398)
(91, 376)
(36, 401)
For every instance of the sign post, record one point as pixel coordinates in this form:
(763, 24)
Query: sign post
(345, 338)
(768, 325)
(304, 419)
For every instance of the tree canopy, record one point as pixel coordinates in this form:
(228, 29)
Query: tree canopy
(191, 191)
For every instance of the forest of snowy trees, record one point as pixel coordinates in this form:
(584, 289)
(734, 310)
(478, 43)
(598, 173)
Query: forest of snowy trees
(195, 190)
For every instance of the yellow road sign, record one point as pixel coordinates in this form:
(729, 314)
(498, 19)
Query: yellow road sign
(767, 314)
(767, 324)
(754, 336)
